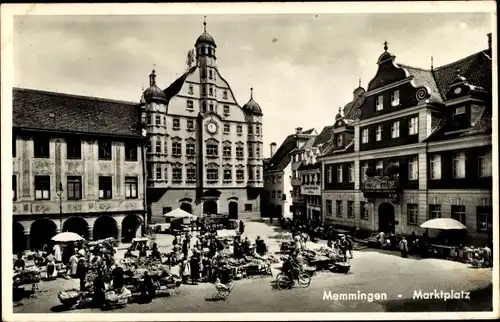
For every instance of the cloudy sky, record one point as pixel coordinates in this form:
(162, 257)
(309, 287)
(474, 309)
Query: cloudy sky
(302, 67)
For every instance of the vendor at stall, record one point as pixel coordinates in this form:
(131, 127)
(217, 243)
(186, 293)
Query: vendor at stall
(147, 289)
(237, 248)
(260, 246)
(19, 264)
(155, 253)
(99, 290)
(81, 272)
(246, 246)
(118, 277)
(143, 250)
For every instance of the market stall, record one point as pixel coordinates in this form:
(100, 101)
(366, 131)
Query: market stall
(27, 276)
(287, 244)
(135, 272)
(326, 259)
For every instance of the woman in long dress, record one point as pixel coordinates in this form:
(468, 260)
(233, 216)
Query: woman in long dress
(185, 271)
(73, 264)
(57, 253)
(51, 267)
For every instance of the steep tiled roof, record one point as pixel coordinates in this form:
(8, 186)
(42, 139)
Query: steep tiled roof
(424, 77)
(475, 68)
(325, 136)
(444, 131)
(282, 157)
(49, 111)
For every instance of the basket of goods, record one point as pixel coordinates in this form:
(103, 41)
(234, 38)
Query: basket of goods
(27, 276)
(342, 267)
(69, 297)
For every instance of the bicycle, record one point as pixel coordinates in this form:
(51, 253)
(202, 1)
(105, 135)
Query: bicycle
(284, 282)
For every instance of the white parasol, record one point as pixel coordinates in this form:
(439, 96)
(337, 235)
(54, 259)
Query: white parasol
(178, 213)
(67, 237)
(443, 223)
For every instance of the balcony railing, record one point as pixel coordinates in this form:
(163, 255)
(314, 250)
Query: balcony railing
(380, 186)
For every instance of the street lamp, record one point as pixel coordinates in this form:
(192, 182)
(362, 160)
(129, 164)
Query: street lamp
(59, 192)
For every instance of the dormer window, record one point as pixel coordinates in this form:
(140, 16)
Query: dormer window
(210, 91)
(379, 103)
(395, 98)
(203, 90)
(226, 109)
(189, 105)
(210, 74)
(340, 140)
(211, 107)
(460, 117)
(224, 94)
(191, 89)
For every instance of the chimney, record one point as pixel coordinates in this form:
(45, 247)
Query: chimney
(489, 41)
(273, 149)
(298, 130)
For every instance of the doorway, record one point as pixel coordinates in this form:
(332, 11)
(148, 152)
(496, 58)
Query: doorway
(386, 218)
(233, 210)
(210, 207)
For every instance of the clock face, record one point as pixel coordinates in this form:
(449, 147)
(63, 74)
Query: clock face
(458, 90)
(211, 127)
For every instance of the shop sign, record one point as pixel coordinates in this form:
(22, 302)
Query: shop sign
(311, 190)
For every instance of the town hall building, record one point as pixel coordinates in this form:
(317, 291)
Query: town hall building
(205, 150)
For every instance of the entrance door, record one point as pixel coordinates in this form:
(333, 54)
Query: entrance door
(316, 217)
(210, 207)
(233, 210)
(386, 218)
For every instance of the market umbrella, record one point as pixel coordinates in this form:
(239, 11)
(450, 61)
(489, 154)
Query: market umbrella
(178, 213)
(443, 223)
(67, 237)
